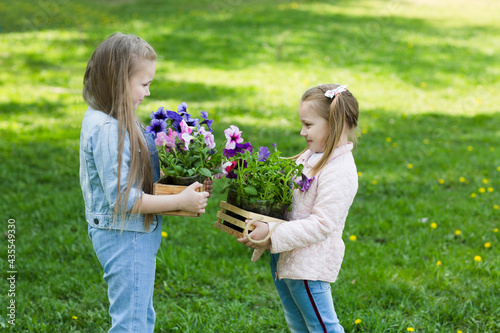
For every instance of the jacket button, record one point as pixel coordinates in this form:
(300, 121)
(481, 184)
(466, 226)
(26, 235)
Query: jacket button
(96, 221)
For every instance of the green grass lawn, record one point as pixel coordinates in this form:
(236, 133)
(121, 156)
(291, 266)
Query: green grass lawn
(426, 76)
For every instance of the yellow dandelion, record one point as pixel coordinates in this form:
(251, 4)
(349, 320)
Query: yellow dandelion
(498, 168)
(482, 190)
(495, 206)
(485, 181)
(490, 189)
(374, 182)
(352, 238)
(388, 139)
(473, 195)
(434, 225)
(459, 331)
(394, 144)
(74, 317)
(477, 258)
(441, 181)
(426, 141)
(294, 5)
(495, 230)
(410, 329)
(469, 148)
(458, 232)
(364, 131)
(164, 234)
(478, 100)
(438, 263)
(461, 179)
(487, 245)
(357, 321)
(360, 174)
(410, 166)
(492, 149)
(423, 84)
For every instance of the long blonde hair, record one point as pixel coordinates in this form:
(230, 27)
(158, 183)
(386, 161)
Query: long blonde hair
(340, 111)
(106, 88)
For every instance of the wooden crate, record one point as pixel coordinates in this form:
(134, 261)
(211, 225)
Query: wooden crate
(231, 219)
(162, 189)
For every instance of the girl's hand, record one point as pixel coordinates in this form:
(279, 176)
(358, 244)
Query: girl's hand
(260, 232)
(208, 186)
(193, 201)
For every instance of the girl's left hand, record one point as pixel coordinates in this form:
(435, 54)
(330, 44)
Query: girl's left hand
(208, 186)
(260, 232)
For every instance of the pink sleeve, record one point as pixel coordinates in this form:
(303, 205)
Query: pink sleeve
(337, 186)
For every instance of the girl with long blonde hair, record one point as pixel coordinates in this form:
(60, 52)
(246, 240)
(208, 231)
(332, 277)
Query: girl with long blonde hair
(118, 165)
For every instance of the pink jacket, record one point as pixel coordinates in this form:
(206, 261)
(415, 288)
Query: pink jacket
(310, 243)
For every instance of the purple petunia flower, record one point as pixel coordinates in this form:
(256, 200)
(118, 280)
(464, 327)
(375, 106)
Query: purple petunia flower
(161, 113)
(182, 111)
(207, 121)
(157, 125)
(263, 154)
(176, 120)
(304, 183)
(191, 122)
(240, 148)
(181, 108)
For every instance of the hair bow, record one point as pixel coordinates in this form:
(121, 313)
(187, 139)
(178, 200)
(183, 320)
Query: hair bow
(334, 92)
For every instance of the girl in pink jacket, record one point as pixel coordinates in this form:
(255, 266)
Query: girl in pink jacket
(307, 250)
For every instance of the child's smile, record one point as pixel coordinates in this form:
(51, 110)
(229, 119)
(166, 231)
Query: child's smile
(314, 128)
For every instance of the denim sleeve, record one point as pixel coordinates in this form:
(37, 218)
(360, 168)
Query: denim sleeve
(106, 159)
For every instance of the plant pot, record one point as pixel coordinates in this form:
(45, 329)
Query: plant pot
(183, 181)
(261, 207)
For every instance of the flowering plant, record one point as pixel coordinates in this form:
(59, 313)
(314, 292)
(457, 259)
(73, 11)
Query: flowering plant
(185, 147)
(260, 175)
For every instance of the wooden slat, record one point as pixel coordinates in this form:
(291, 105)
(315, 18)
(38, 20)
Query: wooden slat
(247, 214)
(162, 189)
(233, 220)
(180, 213)
(228, 230)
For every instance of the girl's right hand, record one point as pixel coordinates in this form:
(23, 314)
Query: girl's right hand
(193, 201)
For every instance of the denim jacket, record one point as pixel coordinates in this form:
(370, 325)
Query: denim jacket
(99, 173)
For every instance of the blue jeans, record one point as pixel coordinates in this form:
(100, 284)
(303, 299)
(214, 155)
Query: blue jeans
(129, 262)
(308, 305)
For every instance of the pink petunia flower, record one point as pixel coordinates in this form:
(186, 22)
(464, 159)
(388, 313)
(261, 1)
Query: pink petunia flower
(233, 136)
(209, 138)
(185, 128)
(185, 134)
(161, 138)
(170, 139)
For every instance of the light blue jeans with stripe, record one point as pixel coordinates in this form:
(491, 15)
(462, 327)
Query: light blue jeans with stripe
(308, 305)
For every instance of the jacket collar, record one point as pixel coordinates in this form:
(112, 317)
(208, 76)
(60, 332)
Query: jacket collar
(304, 158)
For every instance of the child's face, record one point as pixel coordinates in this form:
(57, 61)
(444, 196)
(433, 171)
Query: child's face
(140, 80)
(314, 128)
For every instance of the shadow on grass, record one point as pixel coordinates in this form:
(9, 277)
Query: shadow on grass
(254, 33)
(41, 108)
(195, 91)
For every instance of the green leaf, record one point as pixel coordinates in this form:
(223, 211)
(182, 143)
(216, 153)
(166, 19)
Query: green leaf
(205, 172)
(250, 190)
